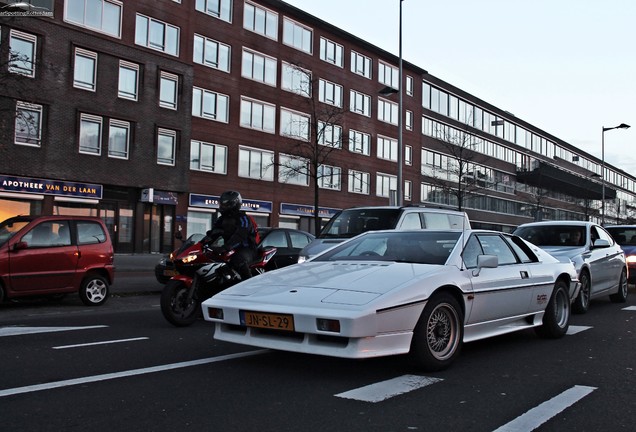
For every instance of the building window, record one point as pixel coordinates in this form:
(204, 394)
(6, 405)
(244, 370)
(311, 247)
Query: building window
(296, 80)
(408, 155)
(157, 35)
(360, 64)
(208, 157)
(297, 36)
(118, 139)
(260, 20)
(256, 164)
(168, 90)
(211, 53)
(329, 135)
(387, 111)
(385, 183)
(329, 177)
(408, 190)
(28, 124)
(22, 48)
(101, 15)
(258, 115)
(85, 69)
(293, 170)
(409, 120)
(360, 103)
(330, 93)
(387, 148)
(331, 52)
(166, 146)
(128, 80)
(221, 9)
(210, 105)
(259, 67)
(409, 85)
(90, 136)
(359, 142)
(388, 75)
(294, 125)
(359, 182)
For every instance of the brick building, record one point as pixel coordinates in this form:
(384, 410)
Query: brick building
(144, 111)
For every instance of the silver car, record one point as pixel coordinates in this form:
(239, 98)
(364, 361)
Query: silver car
(599, 260)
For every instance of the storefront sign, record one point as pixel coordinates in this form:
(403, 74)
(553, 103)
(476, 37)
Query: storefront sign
(306, 210)
(50, 187)
(211, 201)
(158, 197)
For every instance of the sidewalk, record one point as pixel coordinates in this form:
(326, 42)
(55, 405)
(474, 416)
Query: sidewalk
(136, 262)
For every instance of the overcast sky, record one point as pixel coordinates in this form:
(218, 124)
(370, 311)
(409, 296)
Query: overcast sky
(565, 66)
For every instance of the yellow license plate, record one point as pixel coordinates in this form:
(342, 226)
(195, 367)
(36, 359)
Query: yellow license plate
(170, 273)
(268, 321)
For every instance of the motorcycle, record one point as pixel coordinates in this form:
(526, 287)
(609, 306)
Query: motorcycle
(182, 296)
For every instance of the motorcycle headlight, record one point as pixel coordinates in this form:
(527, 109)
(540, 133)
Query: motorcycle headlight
(188, 259)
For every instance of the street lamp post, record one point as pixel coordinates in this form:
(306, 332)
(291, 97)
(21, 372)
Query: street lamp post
(400, 180)
(620, 126)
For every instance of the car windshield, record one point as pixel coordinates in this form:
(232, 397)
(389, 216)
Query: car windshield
(351, 222)
(624, 236)
(9, 227)
(419, 247)
(553, 235)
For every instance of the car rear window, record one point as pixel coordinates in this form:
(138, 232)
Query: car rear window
(350, 223)
(90, 233)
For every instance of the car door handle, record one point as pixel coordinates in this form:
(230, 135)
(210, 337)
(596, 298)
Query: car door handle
(524, 274)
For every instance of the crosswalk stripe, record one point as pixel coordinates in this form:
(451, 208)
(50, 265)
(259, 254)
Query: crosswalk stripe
(387, 389)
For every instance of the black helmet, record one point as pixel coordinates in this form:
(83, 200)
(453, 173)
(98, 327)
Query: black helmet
(229, 201)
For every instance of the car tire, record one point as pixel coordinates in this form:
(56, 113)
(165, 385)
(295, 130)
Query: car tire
(94, 290)
(556, 319)
(621, 295)
(582, 302)
(438, 335)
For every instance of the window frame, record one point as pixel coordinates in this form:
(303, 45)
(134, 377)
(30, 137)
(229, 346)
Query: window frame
(32, 56)
(147, 35)
(28, 141)
(122, 125)
(218, 14)
(367, 70)
(166, 133)
(273, 34)
(93, 119)
(266, 170)
(337, 52)
(215, 149)
(289, 129)
(122, 94)
(117, 4)
(219, 53)
(165, 77)
(267, 61)
(335, 93)
(290, 40)
(89, 55)
(201, 103)
(265, 107)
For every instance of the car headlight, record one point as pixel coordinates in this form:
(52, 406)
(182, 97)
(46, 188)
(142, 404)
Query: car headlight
(631, 259)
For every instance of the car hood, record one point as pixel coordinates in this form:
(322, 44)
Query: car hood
(342, 282)
(564, 251)
(320, 245)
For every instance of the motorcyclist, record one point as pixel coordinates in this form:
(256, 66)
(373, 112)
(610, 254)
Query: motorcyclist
(239, 232)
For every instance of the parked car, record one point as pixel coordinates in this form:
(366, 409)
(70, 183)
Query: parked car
(53, 255)
(625, 236)
(287, 241)
(599, 260)
(351, 222)
(392, 292)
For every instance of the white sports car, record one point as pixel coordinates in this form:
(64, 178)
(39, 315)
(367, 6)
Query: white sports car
(395, 292)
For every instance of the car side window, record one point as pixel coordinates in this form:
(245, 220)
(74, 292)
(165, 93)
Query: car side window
(40, 236)
(90, 233)
(299, 240)
(471, 252)
(276, 239)
(495, 245)
(602, 234)
(411, 221)
(436, 221)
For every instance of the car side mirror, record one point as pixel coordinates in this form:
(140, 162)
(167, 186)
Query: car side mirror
(600, 243)
(485, 261)
(20, 245)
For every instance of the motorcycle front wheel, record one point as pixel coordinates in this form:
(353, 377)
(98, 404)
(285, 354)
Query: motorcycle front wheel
(175, 305)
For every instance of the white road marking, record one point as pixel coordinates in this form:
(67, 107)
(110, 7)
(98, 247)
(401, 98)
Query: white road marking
(387, 389)
(110, 376)
(538, 415)
(630, 308)
(17, 331)
(100, 343)
(577, 329)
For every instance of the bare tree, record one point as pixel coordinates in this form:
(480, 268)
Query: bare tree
(311, 137)
(458, 171)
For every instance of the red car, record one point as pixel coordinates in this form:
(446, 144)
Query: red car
(46, 255)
